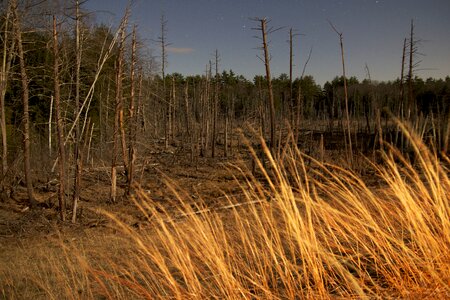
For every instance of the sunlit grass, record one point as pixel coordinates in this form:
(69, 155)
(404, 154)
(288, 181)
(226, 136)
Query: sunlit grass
(305, 232)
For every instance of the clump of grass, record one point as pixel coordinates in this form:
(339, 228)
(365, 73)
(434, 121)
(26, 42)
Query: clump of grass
(312, 232)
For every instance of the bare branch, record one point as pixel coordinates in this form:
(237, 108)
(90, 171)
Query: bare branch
(306, 62)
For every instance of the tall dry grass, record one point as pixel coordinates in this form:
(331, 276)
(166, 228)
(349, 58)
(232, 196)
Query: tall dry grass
(316, 231)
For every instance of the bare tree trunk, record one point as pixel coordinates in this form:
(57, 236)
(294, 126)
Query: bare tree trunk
(269, 83)
(133, 125)
(367, 108)
(8, 51)
(402, 86)
(188, 120)
(291, 96)
(262, 111)
(347, 116)
(25, 97)
(187, 110)
(117, 115)
(162, 41)
(140, 117)
(123, 133)
(226, 134)
(232, 118)
(411, 104)
(172, 104)
(401, 108)
(89, 145)
(214, 107)
(114, 159)
(206, 112)
(298, 112)
(106, 132)
(76, 154)
(299, 103)
(59, 127)
(50, 127)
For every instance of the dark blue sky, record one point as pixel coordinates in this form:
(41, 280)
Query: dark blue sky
(373, 33)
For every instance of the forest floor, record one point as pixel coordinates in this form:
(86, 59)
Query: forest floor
(205, 178)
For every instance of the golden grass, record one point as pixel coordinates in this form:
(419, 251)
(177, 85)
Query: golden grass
(320, 232)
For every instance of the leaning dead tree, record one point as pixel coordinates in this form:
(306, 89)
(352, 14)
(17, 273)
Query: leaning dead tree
(264, 32)
(299, 98)
(59, 126)
(347, 115)
(25, 99)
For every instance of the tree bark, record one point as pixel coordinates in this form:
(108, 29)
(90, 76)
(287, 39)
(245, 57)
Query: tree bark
(59, 125)
(402, 86)
(214, 108)
(291, 96)
(25, 98)
(411, 104)
(269, 83)
(166, 103)
(133, 120)
(8, 52)
(77, 177)
(118, 116)
(347, 116)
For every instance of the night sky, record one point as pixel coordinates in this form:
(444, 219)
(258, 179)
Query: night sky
(373, 32)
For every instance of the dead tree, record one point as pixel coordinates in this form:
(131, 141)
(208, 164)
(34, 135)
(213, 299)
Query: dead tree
(204, 131)
(8, 51)
(76, 152)
(123, 137)
(187, 117)
(347, 116)
(59, 126)
(162, 40)
(264, 32)
(402, 81)
(298, 110)
(401, 107)
(140, 118)
(412, 51)
(118, 115)
(291, 67)
(215, 106)
(172, 101)
(290, 78)
(225, 150)
(367, 105)
(132, 116)
(25, 98)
